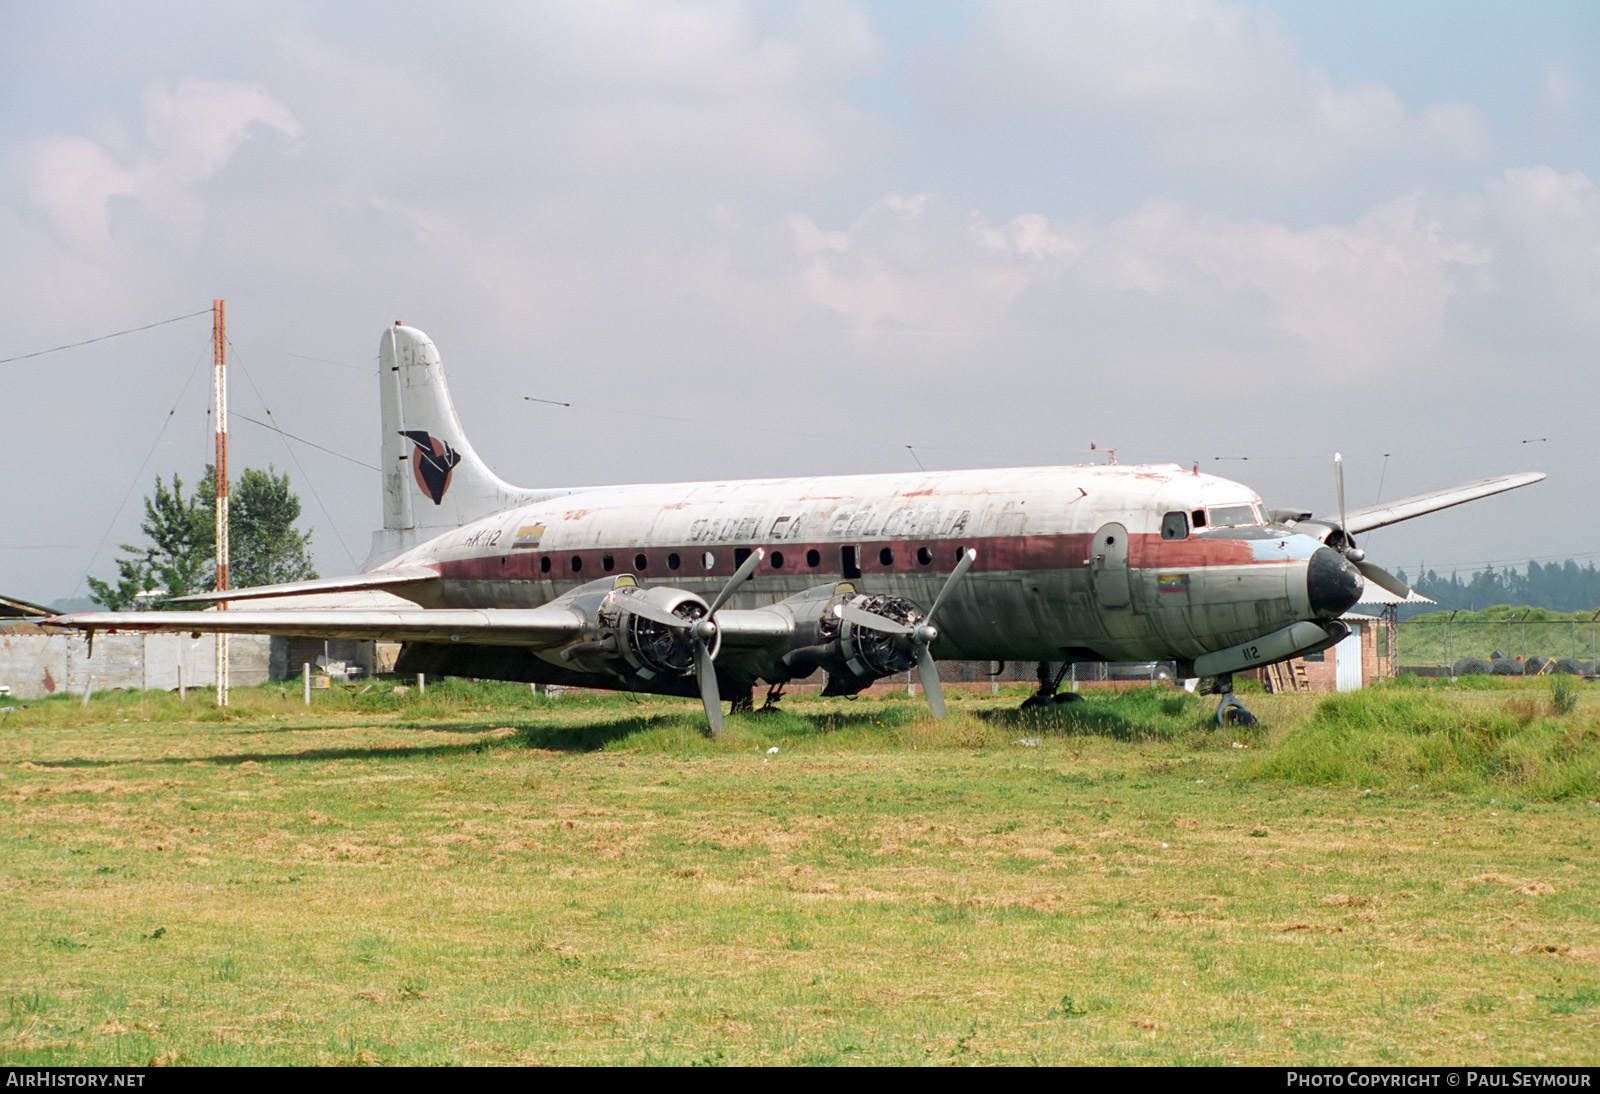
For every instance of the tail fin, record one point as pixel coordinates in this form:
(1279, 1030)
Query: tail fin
(432, 479)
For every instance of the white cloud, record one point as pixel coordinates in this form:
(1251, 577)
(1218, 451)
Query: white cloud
(1562, 94)
(192, 131)
(641, 202)
(671, 96)
(1545, 224)
(1362, 296)
(692, 51)
(1208, 83)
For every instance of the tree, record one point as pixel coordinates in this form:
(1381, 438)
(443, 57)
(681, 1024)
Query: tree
(177, 560)
(180, 558)
(263, 543)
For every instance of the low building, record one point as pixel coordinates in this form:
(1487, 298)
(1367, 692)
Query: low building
(38, 661)
(1365, 656)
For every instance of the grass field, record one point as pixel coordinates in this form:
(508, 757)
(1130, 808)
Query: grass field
(1405, 876)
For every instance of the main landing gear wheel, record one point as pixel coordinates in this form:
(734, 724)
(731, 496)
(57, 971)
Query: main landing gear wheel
(1047, 695)
(774, 693)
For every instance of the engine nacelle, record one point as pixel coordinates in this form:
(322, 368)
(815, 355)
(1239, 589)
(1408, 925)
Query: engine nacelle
(866, 654)
(653, 648)
(1325, 532)
(852, 655)
(624, 638)
(621, 642)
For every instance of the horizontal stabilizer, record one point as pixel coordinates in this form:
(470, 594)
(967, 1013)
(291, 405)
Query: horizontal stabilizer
(1393, 512)
(394, 580)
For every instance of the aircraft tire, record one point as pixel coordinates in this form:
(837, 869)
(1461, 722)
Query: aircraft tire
(1237, 716)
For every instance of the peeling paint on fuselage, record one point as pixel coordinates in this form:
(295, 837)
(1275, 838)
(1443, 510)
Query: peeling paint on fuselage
(1035, 591)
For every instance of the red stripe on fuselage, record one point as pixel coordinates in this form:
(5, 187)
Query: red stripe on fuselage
(996, 554)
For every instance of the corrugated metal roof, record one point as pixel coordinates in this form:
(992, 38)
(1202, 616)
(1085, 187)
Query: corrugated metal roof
(1377, 594)
(13, 608)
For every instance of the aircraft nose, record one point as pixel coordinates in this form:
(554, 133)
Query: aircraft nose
(1333, 585)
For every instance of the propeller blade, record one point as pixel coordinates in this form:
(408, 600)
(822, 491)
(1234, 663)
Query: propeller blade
(872, 621)
(949, 583)
(1384, 579)
(705, 670)
(740, 576)
(705, 631)
(638, 605)
(926, 634)
(1338, 487)
(928, 673)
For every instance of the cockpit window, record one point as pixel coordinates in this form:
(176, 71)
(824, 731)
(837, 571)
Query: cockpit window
(1175, 526)
(1229, 516)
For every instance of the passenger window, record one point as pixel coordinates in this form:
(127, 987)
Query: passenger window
(1175, 526)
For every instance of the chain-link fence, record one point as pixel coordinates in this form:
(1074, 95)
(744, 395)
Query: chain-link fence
(1506, 647)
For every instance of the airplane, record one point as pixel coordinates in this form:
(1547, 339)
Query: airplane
(707, 589)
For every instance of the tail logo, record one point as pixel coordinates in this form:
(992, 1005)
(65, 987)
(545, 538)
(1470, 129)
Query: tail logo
(431, 463)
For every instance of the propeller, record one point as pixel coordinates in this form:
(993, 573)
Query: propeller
(703, 632)
(923, 634)
(1373, 573)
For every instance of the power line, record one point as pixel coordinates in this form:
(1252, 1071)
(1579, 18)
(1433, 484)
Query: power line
(1489, 564)
(137, 475)
(326, 361)
(103, 337)
(302, 440)
(310, 485)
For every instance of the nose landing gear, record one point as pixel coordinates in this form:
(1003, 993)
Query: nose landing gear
(1230, 712)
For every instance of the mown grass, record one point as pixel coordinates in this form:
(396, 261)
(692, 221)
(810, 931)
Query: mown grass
(489, 876)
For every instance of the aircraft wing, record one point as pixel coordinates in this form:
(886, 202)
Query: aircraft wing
(533, 627)
(394, 579)
(1393, 512)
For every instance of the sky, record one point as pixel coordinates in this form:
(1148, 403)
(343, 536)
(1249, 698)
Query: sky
(751, 239)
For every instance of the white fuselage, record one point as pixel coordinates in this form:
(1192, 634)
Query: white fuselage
(1071, 561)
